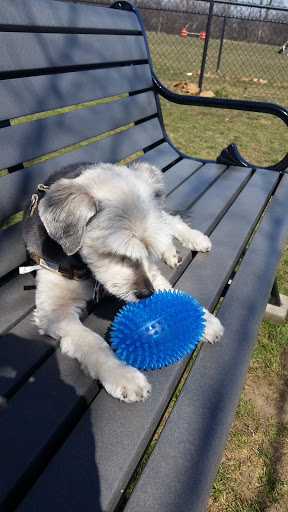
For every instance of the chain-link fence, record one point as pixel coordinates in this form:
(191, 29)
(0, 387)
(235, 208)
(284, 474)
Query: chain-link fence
(247, 56)
(244, 54)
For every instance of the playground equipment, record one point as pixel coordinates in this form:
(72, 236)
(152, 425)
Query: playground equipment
(185, 33)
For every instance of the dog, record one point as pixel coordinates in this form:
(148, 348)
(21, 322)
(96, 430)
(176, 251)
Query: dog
(107, 221)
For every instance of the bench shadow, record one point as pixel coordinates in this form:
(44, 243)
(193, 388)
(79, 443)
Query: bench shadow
(46, 431)
(265, 497)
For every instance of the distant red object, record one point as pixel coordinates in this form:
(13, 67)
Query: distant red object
(185, 33)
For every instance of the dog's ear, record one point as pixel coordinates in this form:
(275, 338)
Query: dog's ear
(65, 210)
(153, 175)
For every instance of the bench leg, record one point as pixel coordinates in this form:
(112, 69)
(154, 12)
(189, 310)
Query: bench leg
(275, 295)
(277, 307)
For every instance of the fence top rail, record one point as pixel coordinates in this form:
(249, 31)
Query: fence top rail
(250, 5)
(172, 8)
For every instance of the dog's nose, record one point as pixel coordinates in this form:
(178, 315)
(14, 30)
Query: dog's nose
(145, 292)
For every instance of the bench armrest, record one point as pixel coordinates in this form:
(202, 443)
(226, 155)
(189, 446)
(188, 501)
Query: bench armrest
(229, 155)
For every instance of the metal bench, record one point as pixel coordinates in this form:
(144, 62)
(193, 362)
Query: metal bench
(64, 443)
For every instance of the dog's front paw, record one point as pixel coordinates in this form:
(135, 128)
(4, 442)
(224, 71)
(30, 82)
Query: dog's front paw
(213, 328)
(127, 384)
(202, 243)
(198, 242)
(172, 257)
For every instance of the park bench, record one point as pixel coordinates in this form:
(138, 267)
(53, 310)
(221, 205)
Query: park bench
(65, 444)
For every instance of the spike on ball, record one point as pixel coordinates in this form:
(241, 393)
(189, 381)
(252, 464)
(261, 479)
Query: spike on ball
(157, 331)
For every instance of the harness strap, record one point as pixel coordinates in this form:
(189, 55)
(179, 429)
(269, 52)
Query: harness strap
(76, 273)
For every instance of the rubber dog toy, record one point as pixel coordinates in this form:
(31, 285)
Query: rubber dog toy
(157, 331)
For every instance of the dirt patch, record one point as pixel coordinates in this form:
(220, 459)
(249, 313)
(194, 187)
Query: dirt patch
(190, 88)
(270, 401)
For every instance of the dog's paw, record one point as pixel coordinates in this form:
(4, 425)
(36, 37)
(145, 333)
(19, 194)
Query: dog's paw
(127, 384)
(172, 257)
(213, 328)
(198, 242)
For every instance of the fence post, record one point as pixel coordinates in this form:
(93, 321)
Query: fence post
(221, 44)
(209, 21)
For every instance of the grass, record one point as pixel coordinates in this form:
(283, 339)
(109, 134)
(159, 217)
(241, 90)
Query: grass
(203, 133)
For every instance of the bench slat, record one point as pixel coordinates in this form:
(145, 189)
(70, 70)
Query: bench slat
(40, 93)
(56, 15)
(53, 133)
(179, 173)
(122, 447)
(44, 51)
(20, 185)
(161, 156)
(12, 248)
(88, 454)
(188, 440)
(16, 301)
(225, 189)
(46, 408)
(187, 194)
(32, 350)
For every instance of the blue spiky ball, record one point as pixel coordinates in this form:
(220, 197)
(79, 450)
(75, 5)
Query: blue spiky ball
(157, 331)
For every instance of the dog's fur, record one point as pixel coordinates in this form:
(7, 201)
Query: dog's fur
(111, 218)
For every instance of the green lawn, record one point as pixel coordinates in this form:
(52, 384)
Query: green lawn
(261, 139)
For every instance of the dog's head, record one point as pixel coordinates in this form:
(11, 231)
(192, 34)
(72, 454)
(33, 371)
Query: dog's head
(112, 216)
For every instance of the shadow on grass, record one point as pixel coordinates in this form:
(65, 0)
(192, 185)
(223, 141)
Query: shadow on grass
(271, 490)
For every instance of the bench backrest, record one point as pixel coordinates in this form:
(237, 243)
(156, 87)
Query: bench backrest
(55, 56)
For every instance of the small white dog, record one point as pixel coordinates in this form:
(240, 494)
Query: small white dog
(108, 221)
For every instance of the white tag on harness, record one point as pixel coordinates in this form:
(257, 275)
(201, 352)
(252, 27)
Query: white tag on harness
(26, 270)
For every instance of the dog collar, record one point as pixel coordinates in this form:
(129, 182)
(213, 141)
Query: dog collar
(80, 273)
